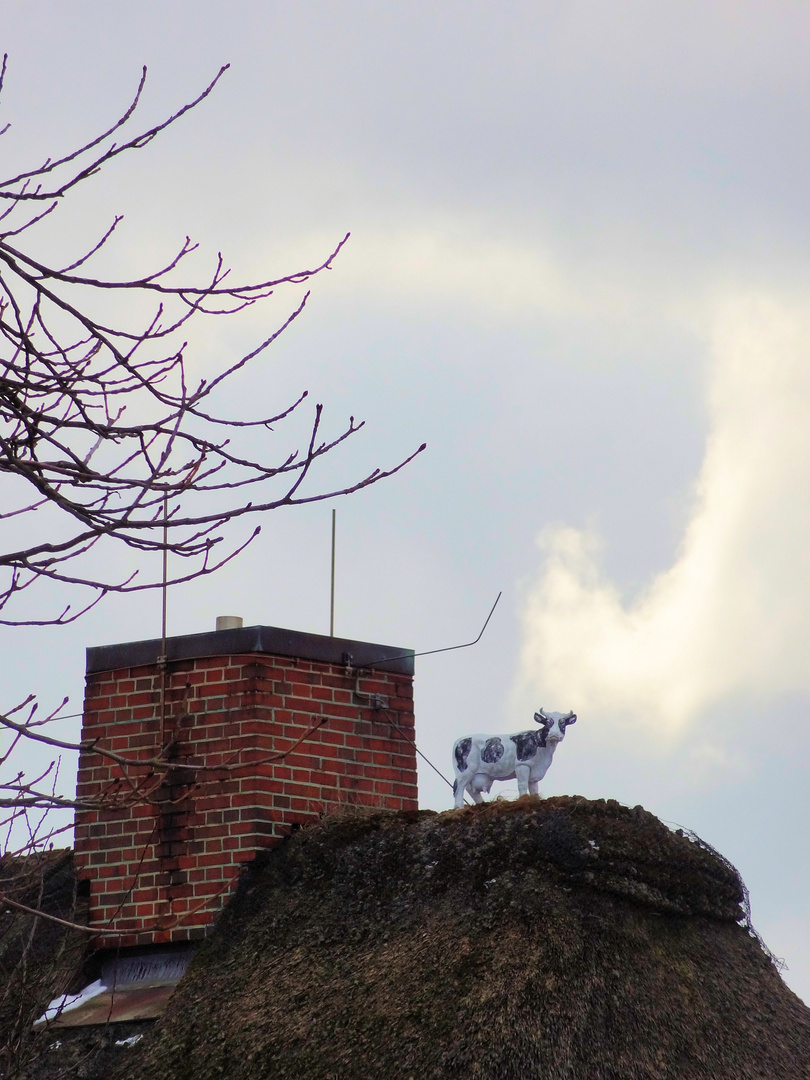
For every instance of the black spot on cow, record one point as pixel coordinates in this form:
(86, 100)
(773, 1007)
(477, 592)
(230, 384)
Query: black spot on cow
(462, 752)
(527, 743)
(493, 751)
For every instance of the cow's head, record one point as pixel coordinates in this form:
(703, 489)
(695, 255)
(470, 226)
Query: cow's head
(554, 725)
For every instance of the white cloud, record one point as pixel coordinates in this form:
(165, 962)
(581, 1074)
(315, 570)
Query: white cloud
(732, 614)
(502, 277)
(450, 260)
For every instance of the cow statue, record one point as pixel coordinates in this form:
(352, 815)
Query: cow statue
(525, 757)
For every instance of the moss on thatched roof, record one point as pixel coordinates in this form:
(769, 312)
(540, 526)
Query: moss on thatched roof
(557, 938)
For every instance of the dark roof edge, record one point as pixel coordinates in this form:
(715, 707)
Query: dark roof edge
(253, 639)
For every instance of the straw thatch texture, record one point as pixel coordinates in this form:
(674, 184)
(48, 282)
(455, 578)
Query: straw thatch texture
(37, 957)
(556, 938)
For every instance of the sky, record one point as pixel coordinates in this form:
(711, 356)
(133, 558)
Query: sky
(579, 271)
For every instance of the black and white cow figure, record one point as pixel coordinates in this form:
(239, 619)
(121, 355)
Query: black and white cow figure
(478, 760)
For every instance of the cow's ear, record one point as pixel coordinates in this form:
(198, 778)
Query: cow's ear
(572, 719)
(538, 718)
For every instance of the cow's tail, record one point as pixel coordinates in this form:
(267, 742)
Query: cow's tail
(455, 786)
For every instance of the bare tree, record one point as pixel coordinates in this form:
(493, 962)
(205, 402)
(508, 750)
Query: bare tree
(102, 425)
(105, 437)
(108, 438)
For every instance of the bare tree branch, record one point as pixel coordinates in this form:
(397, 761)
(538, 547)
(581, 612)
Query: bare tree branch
(98, 421)
(108, 441)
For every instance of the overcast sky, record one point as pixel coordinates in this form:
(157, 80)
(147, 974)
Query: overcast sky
(579, 270)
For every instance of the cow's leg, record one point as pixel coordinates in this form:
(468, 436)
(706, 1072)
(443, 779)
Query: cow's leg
(533, 785)
(459, 787)
(522, 777)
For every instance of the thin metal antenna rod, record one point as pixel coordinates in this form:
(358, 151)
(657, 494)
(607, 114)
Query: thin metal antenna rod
(164, 590)
(332, 593)
(448, 648)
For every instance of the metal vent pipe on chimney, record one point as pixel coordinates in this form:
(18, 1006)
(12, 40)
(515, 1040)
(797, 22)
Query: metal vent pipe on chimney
(229, 622)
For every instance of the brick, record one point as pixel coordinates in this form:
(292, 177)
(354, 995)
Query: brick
(234, 709)
(301, 691)
(386, 773)
(144, 697)
(330, 737)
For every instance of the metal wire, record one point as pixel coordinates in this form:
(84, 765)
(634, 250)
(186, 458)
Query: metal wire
(408, 739)
(447, 648)
(777, 961)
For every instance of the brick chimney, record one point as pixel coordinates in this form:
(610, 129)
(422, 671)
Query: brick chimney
(223, 703)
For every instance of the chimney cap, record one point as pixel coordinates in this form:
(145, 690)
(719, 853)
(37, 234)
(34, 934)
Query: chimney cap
(229, 622)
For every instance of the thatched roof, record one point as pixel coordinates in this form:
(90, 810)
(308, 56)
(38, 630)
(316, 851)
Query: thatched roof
(37, 957)
(557, 938)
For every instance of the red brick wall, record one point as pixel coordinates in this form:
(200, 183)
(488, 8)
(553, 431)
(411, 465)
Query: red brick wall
(159, 871)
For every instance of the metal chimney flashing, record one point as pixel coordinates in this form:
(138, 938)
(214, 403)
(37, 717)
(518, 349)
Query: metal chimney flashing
(252, 639)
